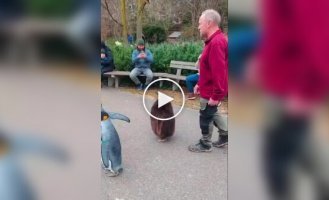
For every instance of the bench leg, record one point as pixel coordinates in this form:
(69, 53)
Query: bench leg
(174, 86)
(116, 82)
(110, 81)
(161, 83)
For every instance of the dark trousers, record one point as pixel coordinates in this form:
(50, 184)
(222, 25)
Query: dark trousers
(207, 114)
(282, 148)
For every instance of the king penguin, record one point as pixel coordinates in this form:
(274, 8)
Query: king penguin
(163, 128)
(14, 185)
(110, 143)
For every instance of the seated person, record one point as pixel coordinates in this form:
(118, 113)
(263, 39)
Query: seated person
(107, 62)
(191, 81)
(142, 59)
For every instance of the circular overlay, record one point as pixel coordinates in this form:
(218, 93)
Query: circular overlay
(173, 82)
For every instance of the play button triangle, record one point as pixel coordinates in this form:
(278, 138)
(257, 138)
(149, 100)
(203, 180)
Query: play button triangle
(163, 99)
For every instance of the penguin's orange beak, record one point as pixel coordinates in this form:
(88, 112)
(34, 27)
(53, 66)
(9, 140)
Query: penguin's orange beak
(105, 118)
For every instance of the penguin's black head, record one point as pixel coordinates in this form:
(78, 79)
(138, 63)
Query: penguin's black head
(104, 115)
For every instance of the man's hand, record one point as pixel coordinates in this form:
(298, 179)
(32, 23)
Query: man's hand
(212, 102)
(196, 89)
(102, 55)
(297, 105)
(142, 55)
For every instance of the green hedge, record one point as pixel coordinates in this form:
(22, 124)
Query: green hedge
(154, 34)
(162, 53)
(49, 8)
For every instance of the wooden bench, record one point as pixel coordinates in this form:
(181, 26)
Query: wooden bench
(115, 75)
(178, 65)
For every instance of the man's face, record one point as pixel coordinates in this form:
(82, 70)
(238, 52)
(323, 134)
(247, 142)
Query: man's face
(140, 47)
(203, 27)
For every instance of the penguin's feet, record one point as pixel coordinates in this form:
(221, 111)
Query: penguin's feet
(163, 140)
(111, 173)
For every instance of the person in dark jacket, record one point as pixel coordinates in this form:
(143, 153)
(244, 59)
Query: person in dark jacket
(107, 62)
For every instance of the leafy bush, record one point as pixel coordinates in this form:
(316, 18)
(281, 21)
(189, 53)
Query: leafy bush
(122, 56)
(154, 34)
(162, 54)
(49, 8)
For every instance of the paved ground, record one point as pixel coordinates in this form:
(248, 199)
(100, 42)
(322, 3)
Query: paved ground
(161, 171)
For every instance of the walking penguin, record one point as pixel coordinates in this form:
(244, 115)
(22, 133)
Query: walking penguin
(162, 128)
(110, 143)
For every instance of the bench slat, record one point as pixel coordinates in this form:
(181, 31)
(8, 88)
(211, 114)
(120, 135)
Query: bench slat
(175, 77)
(183, 67)
(118, 73)
(126, 73)
(159, 74)
(182, 63)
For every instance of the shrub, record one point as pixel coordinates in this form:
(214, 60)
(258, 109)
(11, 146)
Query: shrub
(154, 34)
(49, 8)
(122, 56)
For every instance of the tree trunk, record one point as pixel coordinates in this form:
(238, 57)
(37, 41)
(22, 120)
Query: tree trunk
(124, 21)
(139, 19)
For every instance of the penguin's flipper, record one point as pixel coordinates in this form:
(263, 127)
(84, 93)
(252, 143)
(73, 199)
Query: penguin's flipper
(39, 146)
(105, 148)
(118, 116)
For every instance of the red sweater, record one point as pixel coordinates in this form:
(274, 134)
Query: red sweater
(294, 50)
(213, 80)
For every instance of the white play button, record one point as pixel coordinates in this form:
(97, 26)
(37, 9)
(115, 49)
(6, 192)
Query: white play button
(163, 99)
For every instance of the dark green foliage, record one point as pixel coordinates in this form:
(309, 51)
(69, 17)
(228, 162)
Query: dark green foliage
(49, 8)
(162, 53)
(122, 56)
(154, 34)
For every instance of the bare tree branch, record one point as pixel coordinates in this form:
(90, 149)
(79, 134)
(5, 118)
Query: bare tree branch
(106, 7)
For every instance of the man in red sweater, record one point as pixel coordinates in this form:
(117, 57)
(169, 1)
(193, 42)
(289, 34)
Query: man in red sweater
(213, 82)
